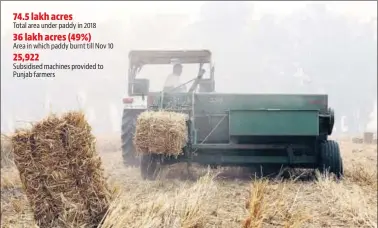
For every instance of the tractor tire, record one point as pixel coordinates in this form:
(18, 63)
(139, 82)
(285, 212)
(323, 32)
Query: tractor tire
(330, 158)
(149, 167)
(129, 155)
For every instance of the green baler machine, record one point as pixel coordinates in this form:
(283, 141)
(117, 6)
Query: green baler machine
(250, 129)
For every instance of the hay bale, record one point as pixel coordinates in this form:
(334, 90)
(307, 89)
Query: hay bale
(357, 140)
(61, 172)
(161, 133)
(368, 137)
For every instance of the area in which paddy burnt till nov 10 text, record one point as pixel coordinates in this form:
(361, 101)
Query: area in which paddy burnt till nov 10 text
(63, 46)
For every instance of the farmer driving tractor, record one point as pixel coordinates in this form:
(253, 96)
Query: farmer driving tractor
(173, 83)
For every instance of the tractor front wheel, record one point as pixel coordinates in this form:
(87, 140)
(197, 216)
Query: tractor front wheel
(129, 118)
(149, 167)
(330, 158)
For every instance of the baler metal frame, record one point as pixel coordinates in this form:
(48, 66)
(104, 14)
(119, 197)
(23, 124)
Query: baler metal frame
(293, 151)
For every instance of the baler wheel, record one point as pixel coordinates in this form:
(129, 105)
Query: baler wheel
(149, 167)
(330, 158)
(128, 129)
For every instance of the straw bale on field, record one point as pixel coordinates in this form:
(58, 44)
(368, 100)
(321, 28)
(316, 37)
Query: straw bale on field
(61, 172)
(357, 140)
(161, 132)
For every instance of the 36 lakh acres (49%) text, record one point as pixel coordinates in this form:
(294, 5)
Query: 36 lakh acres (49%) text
(70, 37)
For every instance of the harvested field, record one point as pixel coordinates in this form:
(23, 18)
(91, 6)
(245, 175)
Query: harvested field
(226, 197)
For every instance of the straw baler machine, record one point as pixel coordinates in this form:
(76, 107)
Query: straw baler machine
(240, 129)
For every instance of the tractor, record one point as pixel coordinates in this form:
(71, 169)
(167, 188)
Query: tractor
(224, 129)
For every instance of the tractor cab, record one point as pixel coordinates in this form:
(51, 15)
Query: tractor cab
(138, 60)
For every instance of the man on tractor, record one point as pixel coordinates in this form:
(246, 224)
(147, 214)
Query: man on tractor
(173, 83)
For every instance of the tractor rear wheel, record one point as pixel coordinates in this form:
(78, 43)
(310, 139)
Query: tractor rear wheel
(149, 167)
(129, 155)
(330, 158)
